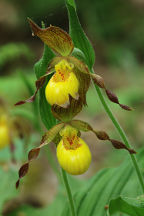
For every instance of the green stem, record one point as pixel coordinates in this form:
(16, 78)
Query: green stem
(69, 193)
(121, 133)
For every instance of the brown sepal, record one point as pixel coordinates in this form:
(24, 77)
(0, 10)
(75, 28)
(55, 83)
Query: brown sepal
(56, 38)
(83, 75)
(67, 113)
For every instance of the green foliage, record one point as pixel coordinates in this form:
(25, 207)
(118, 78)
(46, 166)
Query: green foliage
(131, 206)
(41, 7)
(12, 51)
(7, 186)
(16, 85)
(40, 69)
(107, 19)
(8, 172)
(113, 20)
(56, 207)
(121, 57)
(78, 36)
(51, 210)
(93, 195)
(79, 54)
(95, 202)
(105, 185)
(72, 3)
(114, 23)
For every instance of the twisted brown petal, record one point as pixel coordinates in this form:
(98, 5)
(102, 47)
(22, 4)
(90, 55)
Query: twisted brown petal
(39, 84)
(98, 80)
(34, 153)
(101, 135)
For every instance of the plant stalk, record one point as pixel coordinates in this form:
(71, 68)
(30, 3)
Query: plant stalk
(69, 193)
(122, 134)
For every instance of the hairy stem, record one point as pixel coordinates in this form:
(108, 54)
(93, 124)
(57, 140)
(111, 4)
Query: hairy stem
(121, 133)
(69, 193)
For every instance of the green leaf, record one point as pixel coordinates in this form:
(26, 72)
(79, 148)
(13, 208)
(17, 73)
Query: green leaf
(77, 53)
(78, 36)
(72, 3)
(40, 70)
(107, 184)
(130, 206)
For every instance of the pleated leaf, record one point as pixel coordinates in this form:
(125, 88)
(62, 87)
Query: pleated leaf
(94, 198)
(130, 206)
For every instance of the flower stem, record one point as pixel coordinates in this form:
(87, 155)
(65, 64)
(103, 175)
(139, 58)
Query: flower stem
(69, 193)
(122, 134)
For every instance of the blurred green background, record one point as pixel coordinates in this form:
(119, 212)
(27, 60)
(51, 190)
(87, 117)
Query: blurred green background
(115, 28)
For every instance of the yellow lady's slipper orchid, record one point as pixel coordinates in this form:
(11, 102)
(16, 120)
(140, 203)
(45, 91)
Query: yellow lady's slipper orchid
(4, 132)
(72, 152)
(72, 77)
(62, 84)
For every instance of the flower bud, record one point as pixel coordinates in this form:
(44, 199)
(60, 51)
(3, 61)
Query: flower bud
(62, 83)
(73, 153)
